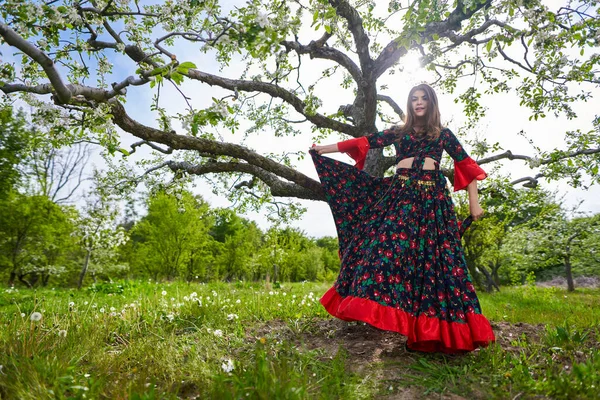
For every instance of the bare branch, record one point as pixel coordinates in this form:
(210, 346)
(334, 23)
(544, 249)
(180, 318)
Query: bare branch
(392, 104)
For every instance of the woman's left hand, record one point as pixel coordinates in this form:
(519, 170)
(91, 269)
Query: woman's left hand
(476, 211)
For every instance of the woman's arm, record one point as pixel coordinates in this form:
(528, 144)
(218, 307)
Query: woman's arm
(328, 148)
(474, 207)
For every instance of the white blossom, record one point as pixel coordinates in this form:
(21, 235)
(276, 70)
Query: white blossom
(218, 333)
(62, 333)
(262, 20)
(227, 365)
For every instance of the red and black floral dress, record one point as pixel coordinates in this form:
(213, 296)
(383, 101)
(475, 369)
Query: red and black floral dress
(402, 263)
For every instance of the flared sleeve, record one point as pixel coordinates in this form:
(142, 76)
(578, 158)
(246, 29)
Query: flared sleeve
(465, 168)
(358, 148)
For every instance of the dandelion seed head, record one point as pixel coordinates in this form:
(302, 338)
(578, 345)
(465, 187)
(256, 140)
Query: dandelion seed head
(36, 316)
(164, 293)
(218, 333)
(22, 315)
(62, 333)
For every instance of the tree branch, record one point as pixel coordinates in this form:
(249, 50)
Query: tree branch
(278, 187)
(393, 51)
(316, 49)
(210, 147)
(392, 104)
(361, 39)
(319, 120)
(14, 39)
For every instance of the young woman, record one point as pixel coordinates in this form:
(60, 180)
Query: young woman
(403, 267)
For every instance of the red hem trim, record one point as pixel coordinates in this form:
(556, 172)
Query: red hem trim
(357, 149)
(424, 333)
(465, 171)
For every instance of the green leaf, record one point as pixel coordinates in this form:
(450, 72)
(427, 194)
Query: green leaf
(328, 28)
(125, 152)
(188, 65)
(489, 45)
(177, 78)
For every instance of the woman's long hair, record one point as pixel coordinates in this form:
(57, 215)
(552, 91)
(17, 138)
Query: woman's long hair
(433, 125)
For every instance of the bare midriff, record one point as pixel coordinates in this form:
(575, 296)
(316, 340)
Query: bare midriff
(407, 163)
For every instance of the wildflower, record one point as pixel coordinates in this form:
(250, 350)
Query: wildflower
(62, 333)
(185, 298)
(227, 365)
(214, 293)
(113, 309)
(164, 293)
(231, 317)
(263, 340)
(71, 304)
(86, 303)
(36, 316)
(170, 317)
(22, 315)
(218, 333)
(86, 375)
(193, 295)
(271, 293)
(238, 301)
(279, 305)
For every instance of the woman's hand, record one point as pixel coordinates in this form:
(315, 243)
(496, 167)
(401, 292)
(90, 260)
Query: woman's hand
(476, 211)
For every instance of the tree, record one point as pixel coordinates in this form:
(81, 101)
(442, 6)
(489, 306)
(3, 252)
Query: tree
(98, 232)
(172, 238)
(14, 142)
(526, 48)
(507, 209)
(556, 239)
(31, 228)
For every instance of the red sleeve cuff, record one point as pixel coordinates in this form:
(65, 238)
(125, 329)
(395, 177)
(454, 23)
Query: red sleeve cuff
(465, 172)
(357, 149)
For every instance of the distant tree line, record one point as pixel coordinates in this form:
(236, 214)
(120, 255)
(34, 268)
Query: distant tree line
(45, 239)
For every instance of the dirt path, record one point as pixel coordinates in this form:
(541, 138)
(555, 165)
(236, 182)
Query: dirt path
(367, 347)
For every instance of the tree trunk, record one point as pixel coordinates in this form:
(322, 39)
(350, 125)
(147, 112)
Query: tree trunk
(22, 279)
(490, 284)
(84, 269)
(569, 274)
(11, 279)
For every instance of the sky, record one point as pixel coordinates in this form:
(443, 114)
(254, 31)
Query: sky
(504, 119)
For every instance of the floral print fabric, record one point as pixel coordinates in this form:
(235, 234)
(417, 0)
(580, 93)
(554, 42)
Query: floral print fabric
(401, 254)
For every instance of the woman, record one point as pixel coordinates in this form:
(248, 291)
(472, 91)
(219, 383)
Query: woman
(403, 267)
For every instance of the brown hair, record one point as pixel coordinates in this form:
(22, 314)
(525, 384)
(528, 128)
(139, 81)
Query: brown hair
(433, 125)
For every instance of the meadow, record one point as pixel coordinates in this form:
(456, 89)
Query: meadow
(152, 340)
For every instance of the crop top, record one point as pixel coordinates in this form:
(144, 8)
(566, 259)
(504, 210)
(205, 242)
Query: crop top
(406, 145)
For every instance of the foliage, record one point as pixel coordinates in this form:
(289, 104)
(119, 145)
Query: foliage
(92, 56)
(35, 238)
(14, 143)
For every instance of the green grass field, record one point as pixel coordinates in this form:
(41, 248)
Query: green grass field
(142, 340)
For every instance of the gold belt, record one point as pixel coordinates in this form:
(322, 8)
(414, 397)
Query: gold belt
(418, 181)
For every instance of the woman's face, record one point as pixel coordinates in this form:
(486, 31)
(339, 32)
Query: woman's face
(419, 101)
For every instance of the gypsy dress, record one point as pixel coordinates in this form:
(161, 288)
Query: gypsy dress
(402, 263)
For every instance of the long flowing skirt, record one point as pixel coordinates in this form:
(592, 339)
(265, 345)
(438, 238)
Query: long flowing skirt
(402, 263)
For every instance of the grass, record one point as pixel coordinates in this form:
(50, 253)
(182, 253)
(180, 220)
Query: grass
(144, 340)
